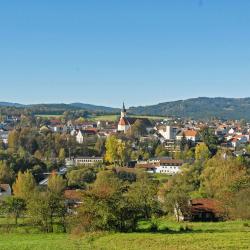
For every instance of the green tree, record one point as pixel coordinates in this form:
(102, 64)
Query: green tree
(142, 194)
(24, 186)
(6, 173)
(56, 183)
(13, 142)
(81, 177)
(138, 129)
(13, 207)
(62, 154)
(202, 152)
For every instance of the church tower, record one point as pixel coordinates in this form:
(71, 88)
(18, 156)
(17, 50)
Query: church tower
(123, 111)
(123, 124)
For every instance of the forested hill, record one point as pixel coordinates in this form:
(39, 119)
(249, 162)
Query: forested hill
(200, 108)
(196, 108)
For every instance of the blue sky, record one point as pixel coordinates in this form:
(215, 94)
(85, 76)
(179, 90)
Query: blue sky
(139, 51)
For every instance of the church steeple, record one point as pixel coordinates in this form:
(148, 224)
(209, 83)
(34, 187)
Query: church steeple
(123, 111)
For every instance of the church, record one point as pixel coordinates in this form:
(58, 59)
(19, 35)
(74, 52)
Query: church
(126, 122)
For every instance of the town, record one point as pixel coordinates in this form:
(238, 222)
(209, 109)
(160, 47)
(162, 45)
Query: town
(68, 153)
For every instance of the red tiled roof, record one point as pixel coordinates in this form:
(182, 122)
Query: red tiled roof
(72, 194)
(206, 205)
(190, 133)
(123, 121)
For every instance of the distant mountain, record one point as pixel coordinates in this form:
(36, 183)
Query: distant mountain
(196, 108)
(11, 104)
(199, 108)
(62, 106)
(95, 108)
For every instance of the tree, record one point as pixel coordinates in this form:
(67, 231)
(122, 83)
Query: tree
(209, 138)
(81, 177)
(111, 149)
(56, 183)
(116, 151)
(223, 177)
(161, 151)
(13, 206)
(13, 140)
(6, 173)
(62, 154)
(24, 186)
(100, 146)
(142, 194)
(138, 129)
(99, 211)
(202, 152)
(175, 195)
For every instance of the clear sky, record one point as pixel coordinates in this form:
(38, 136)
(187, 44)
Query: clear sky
(139, 51)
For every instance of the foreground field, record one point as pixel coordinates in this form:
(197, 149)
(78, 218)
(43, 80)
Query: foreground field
(225, 235)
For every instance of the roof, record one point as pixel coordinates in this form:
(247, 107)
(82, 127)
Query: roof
(147, 165)
(72, 194)
(190, 133)
(123, 121)
(206, 205)
(4, 187)
(171, 161)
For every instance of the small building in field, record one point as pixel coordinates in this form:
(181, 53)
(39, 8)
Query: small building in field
(202, 209)
(5, 190)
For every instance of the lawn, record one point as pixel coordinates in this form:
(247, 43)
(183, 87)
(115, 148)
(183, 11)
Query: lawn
(222, 235)
(113, 118)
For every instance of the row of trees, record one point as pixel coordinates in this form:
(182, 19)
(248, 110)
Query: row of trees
(43, 207)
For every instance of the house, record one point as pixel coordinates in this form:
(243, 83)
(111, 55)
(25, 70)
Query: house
(5, 190)
(204, 209)
(73, 198)
(88, 132)
(189, 134)
(169, 166)
(201, 209)
(163, 165)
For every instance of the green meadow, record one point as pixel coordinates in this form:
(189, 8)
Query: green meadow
(170, 235)
(116, 117)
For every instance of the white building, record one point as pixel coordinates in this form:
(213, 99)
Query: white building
(168, 132)
(87, 161)
(123, 124)
(164, 165)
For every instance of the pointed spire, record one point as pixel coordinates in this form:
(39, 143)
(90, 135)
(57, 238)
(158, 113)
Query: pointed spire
(123, 107)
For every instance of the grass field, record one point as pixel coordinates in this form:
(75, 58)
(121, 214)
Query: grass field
(116, 117)
(222, 235)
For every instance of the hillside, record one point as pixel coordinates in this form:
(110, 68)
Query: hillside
(199, 108)
(196, 108)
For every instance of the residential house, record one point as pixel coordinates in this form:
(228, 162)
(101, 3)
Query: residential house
(190, 134)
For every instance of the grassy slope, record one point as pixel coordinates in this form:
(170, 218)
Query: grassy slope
(116, 117)
(223, 235)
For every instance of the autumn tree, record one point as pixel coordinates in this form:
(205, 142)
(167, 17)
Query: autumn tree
(56, 183)
(223, 176)
(202, 152)
(24, 186)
